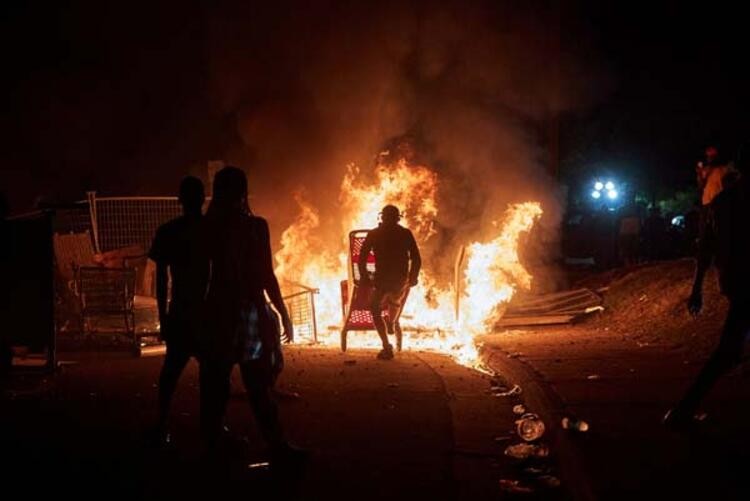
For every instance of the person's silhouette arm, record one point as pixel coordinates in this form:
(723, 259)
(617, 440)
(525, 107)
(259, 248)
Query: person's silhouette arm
(162, 280)
(416, 261)
(364, 252)
(703, 260)
(271, 283)
(157, 254)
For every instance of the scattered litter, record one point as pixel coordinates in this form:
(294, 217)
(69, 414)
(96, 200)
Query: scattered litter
(641, 345)
(593, 377)
(286, 395)
(643, 297)
(350, 362)
(153, 350)
(592, 309)
(533, 470)
(575, 424)
(549, 481)
(523, 451)
(494, 383)
(514, 487)
(261, 464)
(530, 427)
(519, 409)
(516, 390)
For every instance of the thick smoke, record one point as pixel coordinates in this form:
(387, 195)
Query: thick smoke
(470, 91)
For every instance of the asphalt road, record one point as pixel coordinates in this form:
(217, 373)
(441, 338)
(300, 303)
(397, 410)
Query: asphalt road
(417, 427)
(622, 387)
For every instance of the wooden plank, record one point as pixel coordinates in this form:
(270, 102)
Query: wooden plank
(560, 308)
(544, 302)
(537, 320)
(555, 296)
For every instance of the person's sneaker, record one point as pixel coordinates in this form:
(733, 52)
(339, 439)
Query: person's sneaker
(386, 353)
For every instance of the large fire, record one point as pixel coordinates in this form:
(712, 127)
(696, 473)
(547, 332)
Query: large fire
(436, 317)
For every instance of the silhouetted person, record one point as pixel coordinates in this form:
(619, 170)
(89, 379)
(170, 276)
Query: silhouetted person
(397, 264)
(628, 236)
(176, 252)
(654, 234)
(724, 241)
(6, 353)
(240, 328)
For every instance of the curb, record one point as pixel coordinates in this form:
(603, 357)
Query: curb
(540, 397)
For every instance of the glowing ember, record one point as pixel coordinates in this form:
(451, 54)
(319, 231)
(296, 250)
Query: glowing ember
(491, 275)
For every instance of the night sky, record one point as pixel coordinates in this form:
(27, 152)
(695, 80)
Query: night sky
(123, 97)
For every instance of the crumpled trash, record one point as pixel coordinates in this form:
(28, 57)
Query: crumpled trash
(260, 464)
(530, 427)
(526, 450)
(593, 377)
(533, 470)
(514, 487)
(516, 390)
(286, 394)
(549, 481)
(574, 424)
(519, 409)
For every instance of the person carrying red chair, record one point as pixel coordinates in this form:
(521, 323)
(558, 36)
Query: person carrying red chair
(397, 265)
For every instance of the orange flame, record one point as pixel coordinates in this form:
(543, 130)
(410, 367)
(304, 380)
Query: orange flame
(492, 274)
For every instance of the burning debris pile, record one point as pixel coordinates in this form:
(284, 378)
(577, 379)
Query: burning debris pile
(446, 316)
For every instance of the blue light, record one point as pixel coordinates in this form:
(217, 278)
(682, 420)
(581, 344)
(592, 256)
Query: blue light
(612, 194)
(610, 186)
(599, 186)
(596, 194)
